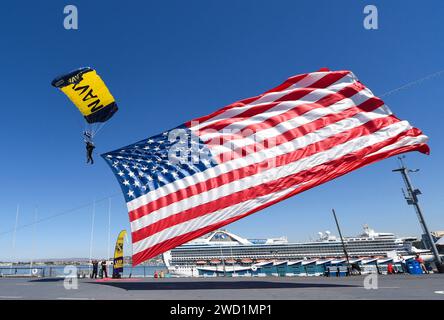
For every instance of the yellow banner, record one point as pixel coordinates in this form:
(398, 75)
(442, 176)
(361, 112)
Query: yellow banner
(118, 252)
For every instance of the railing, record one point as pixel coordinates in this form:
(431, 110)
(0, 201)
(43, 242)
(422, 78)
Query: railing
(82, 271)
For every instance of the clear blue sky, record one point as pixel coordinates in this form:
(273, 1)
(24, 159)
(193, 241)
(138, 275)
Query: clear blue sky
(169, 62)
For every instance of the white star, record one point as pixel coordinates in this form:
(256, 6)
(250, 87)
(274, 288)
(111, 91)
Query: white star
(126, 183)
(140, 174)
(164, 170)
(121, 173)
(137, 183)
(150, 178)
(150, 141)
(131, 174)
(131, 193)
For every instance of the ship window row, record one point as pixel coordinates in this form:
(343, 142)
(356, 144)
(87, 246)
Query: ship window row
(282, 248)
(276, 251)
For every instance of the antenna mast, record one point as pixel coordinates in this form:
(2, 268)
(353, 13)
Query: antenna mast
(412, 199)
(342, 241)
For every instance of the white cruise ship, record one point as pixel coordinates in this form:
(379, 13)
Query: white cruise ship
(224, 250)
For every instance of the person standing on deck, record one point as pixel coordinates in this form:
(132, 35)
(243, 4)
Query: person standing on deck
(104, 271)
(95, 265)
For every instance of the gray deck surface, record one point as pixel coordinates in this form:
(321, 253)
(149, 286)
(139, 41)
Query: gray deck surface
(389, 287)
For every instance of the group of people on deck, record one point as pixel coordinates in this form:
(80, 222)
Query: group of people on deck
(103, 269)
(392, 269)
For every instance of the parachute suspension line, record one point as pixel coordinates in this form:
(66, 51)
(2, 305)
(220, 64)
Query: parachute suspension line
(98, 128)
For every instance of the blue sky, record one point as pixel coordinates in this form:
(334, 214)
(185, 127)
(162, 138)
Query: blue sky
(168, 62)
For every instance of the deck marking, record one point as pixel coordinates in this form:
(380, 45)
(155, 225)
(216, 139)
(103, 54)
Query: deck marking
(439, 292)
(10, 297)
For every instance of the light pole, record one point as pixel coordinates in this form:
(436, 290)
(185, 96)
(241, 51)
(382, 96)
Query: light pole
(412, 199)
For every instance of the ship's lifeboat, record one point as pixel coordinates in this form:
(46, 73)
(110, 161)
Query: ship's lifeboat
(261, 260)
(215, 261)
(246, 260)
(230, 261)
(201, 262)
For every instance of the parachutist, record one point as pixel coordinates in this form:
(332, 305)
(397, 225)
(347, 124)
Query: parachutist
(89, 150)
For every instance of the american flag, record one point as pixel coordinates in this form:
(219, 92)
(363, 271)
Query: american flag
(214, 170)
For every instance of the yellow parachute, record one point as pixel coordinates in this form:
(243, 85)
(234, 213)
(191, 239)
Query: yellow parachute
(88, 92)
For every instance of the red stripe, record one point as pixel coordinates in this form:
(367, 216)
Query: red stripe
(266, 188)
(289, 82)
(236, 174)
(326, 101)
(367, 106)
(297, 94)
(345, 166)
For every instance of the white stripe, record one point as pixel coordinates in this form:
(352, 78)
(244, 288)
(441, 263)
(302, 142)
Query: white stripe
(228, 166)
(230, 113)
(291, 124)
(209, 219)
(305, 82)
(272, 174)
(406, 141)
(280, 108)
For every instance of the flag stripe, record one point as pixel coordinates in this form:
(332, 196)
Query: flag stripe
(284, 131)
(295, 109)
(288, 100)
(254, 158)
(236, 213)
(241, 189)
(350, 129)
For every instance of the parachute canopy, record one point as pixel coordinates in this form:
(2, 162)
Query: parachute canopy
(88, 92)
